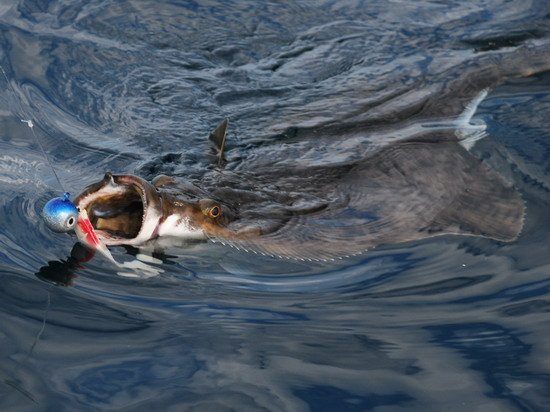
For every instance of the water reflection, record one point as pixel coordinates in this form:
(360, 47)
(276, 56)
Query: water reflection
(499, 355)
(63, 272)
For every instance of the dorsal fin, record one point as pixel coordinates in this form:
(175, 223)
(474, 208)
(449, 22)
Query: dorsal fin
(218, 138)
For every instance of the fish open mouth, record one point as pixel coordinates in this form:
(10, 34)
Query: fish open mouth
(118, 209)
(119, 214)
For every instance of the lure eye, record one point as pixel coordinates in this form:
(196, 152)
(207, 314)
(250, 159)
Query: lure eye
(71, 223)
(60, 214)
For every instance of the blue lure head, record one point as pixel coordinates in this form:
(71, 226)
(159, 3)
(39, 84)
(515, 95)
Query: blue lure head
(60, 214)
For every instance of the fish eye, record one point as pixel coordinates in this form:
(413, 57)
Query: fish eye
(210, 208)
(214, 211)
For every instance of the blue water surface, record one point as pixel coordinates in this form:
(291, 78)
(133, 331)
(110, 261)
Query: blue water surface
(446, 323)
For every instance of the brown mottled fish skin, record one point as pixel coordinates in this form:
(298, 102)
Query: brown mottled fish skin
(187, 200)
(407, 191)
(426, 185)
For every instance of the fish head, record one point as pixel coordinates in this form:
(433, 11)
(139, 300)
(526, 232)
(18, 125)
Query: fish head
(189, 217)
(128, 210)
(123, 209)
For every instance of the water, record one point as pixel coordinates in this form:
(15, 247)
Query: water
(447, 323)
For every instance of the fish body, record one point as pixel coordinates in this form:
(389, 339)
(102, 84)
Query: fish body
(415, 189)
(317, 208)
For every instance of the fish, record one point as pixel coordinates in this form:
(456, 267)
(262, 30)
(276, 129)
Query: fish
(421, 187)
(409, 191)
(427, 184)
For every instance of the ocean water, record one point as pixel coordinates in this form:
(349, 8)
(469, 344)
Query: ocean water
(446, 323)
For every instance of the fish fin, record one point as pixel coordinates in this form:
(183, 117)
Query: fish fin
(218, 138)
(498, 213)
(471, 107)
(279, 250)
(467, 133)
(299, 238)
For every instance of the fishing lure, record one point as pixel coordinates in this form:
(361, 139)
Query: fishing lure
(61, 215)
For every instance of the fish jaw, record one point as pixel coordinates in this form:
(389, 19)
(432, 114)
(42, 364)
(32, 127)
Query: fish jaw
(110, 192)
(179, 225)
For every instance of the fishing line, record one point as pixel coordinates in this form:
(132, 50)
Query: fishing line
(37, 338)
(9, 379)
(30, 123)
